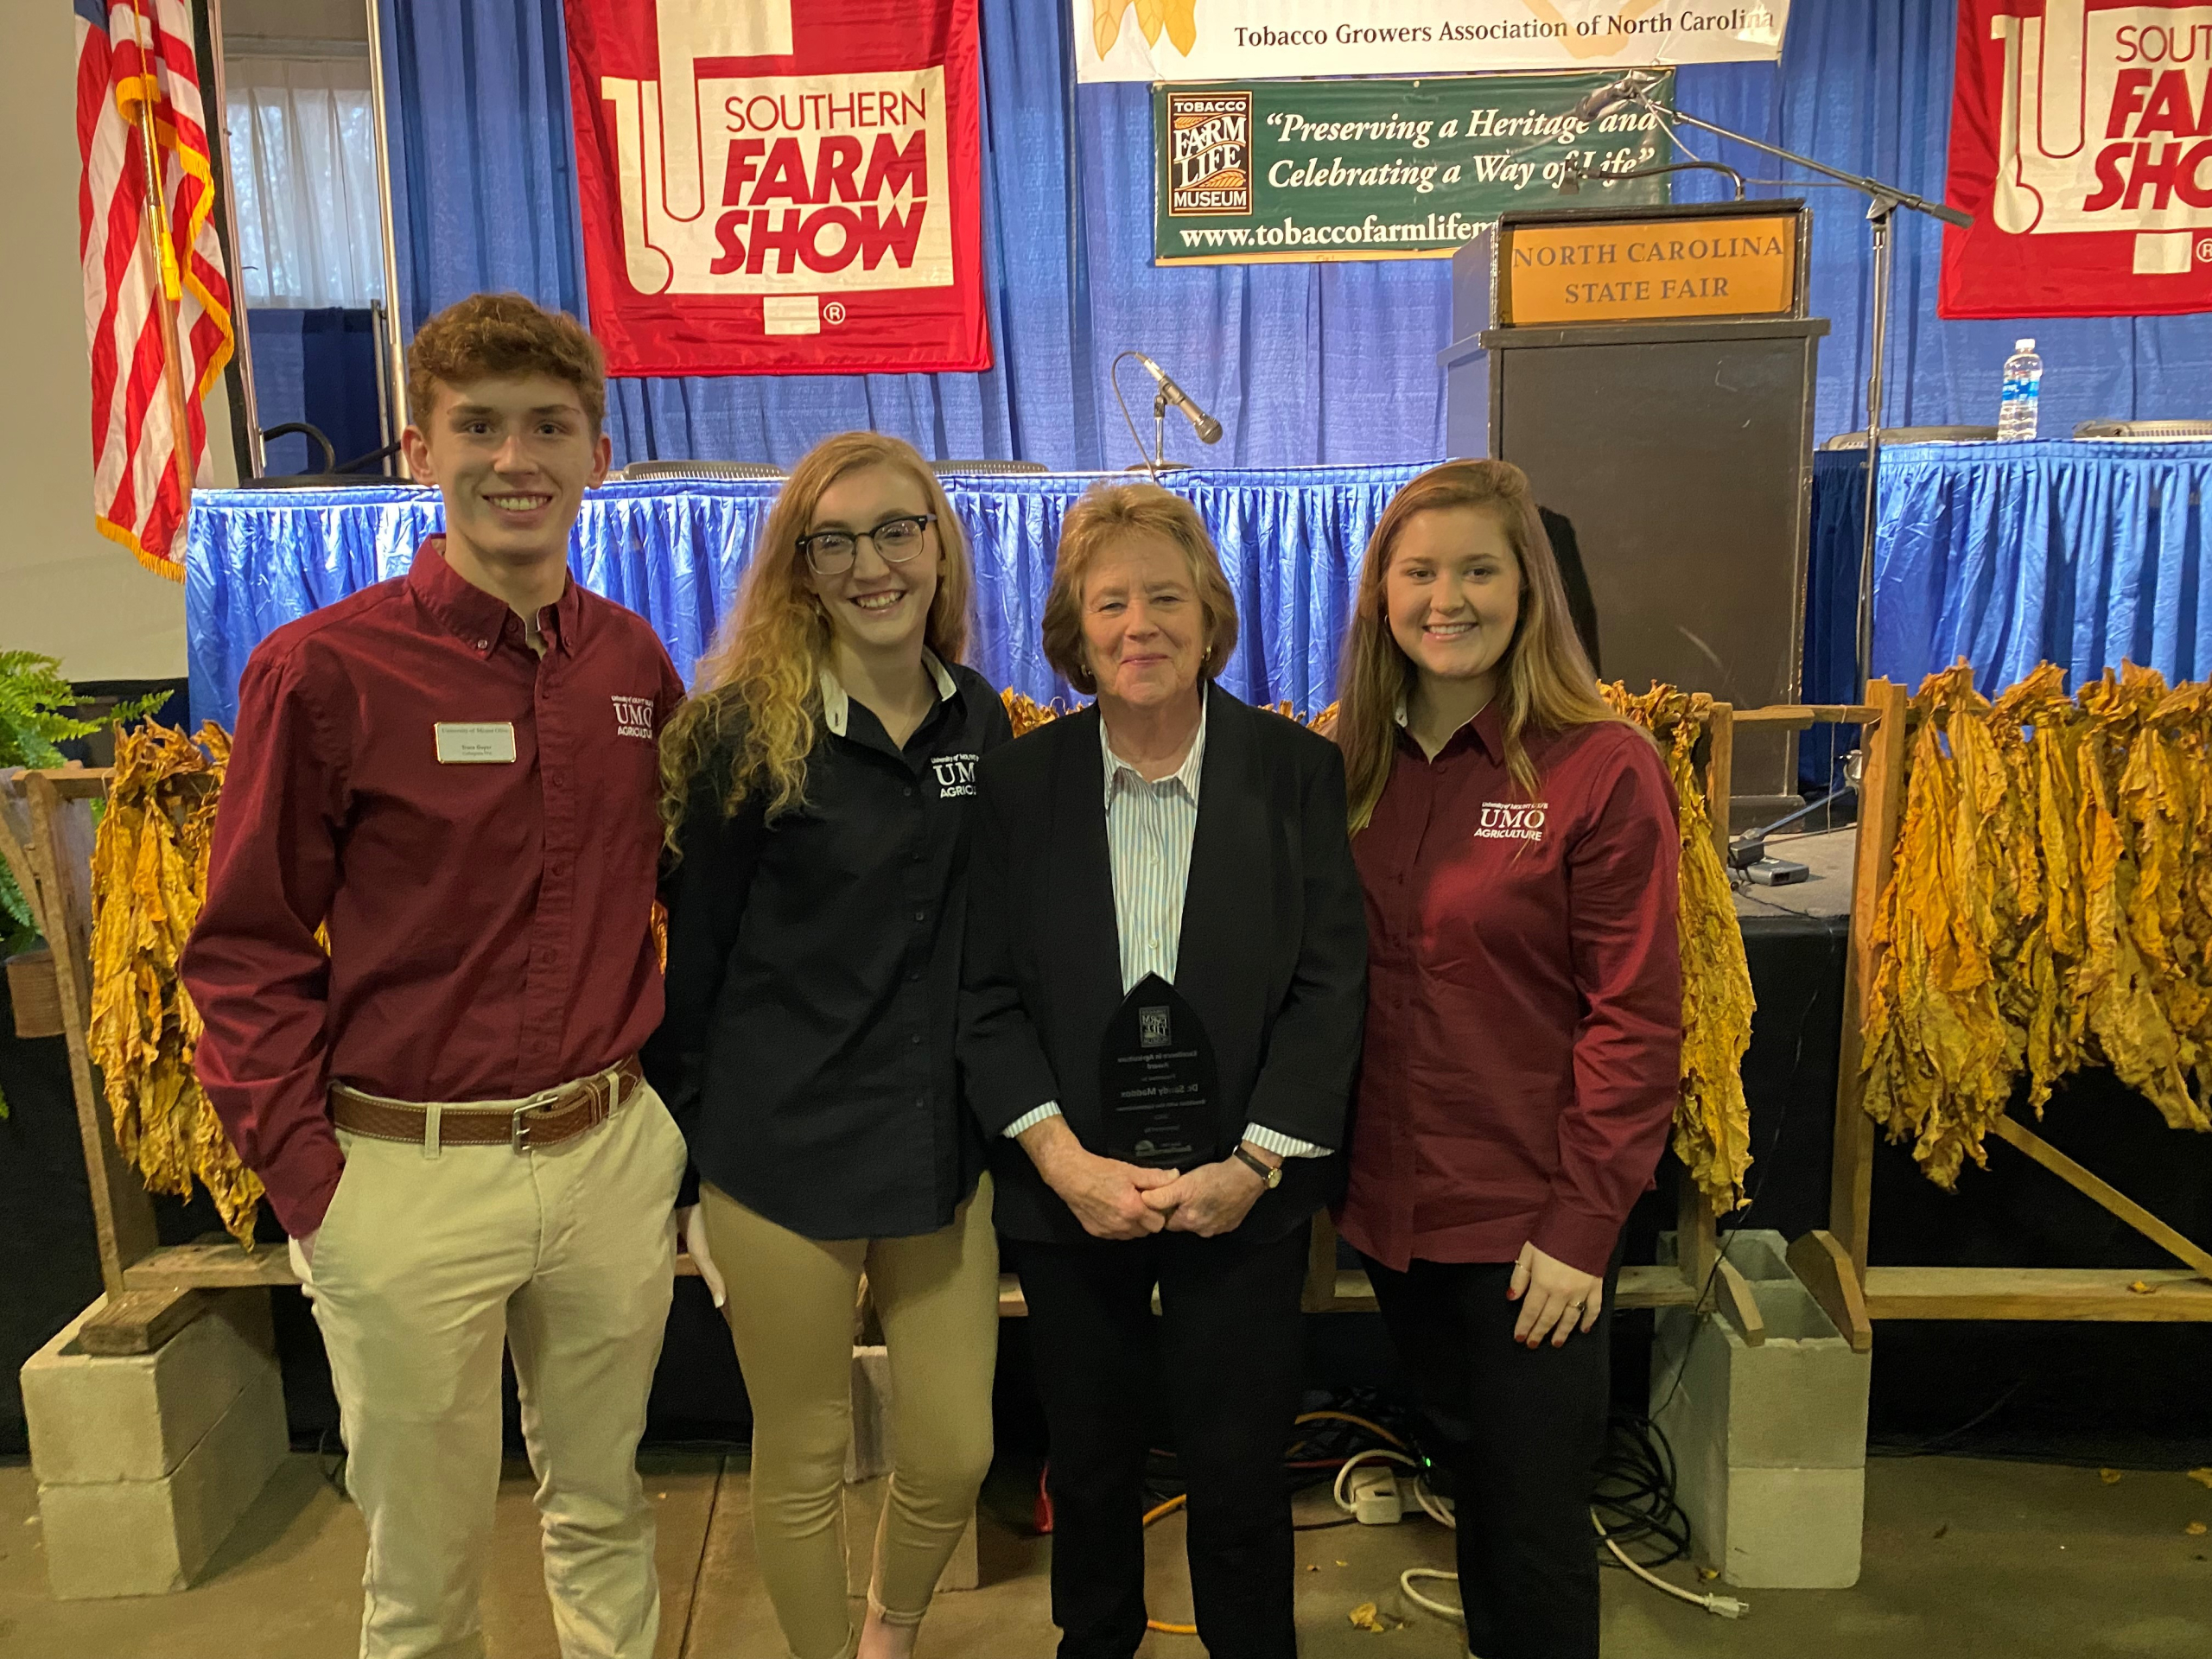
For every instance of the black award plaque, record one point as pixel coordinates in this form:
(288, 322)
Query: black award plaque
(1156, 1081)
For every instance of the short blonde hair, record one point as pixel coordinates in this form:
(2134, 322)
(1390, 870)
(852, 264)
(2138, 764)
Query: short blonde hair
(1105, 514)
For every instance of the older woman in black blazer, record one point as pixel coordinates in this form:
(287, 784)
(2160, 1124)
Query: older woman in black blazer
(1168, 829)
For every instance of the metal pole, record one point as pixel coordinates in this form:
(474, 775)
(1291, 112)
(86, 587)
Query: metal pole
(241, 336)
(1878, 216)
(395, 342)
(167, 291)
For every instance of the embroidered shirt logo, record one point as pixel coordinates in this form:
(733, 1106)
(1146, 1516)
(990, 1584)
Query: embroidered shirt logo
(956, 775)
(1512, 821)
(633, 717)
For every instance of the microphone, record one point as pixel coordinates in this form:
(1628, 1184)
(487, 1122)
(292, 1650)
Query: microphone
(1208, 429)
(1630, 86)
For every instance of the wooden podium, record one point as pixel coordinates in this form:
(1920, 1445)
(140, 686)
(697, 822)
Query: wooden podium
(1652, 369)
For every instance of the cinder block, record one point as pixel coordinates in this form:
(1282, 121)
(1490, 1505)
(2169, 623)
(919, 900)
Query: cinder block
(1789, 1529)
(103, 1418)
(150, 1537)
(1769, 1442)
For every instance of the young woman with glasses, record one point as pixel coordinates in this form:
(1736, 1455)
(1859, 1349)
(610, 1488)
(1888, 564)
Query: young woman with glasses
(818, 789)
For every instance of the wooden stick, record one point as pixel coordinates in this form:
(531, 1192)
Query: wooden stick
(1695, 1248)
(1881, 811)
(1741, 1306)
(1721, 774)
(1824, 1269)
(1799, 715)
(140, 1321)
(1319, 1295)
(2095, 1187)
(123, 1216)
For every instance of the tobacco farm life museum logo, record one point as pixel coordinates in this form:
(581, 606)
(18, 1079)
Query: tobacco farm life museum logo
(1209, 158)
(788, 187)
(2107, 126)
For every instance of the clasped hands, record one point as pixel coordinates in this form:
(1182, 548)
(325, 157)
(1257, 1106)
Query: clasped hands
(1113, 1199)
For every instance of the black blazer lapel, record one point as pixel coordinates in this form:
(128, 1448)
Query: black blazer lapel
(1221, 962)
(1085, 964)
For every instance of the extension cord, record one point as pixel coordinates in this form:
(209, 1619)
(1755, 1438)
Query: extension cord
(1375, 1498)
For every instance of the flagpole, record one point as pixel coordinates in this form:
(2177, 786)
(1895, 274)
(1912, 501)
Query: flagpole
(395, 339)
(167, 286)
(255, 461)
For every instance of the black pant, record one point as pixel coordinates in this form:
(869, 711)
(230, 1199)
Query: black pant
(1522, 1433)
(1231, 1347)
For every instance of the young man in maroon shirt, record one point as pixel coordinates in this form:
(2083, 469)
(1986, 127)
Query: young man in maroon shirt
(453, 772)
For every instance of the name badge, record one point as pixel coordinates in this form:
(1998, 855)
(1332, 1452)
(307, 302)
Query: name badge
(484, 743)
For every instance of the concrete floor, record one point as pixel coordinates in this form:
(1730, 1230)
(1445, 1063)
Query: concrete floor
(1963, 1560)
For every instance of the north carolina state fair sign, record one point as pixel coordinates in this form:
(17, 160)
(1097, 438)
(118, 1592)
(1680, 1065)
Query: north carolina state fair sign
(772, 185)
(2082, 143)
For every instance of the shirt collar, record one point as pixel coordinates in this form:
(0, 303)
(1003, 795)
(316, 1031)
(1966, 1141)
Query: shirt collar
(1188, 774)
(1486, 728)
(837, 706)
(479, 619)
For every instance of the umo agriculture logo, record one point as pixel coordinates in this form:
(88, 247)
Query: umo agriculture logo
(1210, 153)
(1512, 821)
(2104, 127)
(783, 186)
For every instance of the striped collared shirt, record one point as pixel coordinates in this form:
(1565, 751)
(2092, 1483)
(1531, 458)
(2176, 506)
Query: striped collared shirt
(1150, 826)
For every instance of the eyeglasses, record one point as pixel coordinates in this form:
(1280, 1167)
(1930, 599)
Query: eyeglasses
(830, 552)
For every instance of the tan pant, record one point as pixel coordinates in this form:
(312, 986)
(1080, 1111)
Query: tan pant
(424, 1267)
(790, 1313)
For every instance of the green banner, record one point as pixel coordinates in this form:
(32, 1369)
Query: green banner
(1267, 172)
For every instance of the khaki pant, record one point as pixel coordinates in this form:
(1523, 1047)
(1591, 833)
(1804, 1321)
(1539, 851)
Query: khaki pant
(426, 1266)
(790, 1313)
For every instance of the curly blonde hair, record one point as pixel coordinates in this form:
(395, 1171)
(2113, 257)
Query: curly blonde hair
(759, 691)
(1545, 680)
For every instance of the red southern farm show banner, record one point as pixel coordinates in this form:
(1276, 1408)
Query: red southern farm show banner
(2082, 143)
(780, 187)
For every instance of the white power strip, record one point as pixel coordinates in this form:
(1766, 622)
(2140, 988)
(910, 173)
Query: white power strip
(1376, 1499)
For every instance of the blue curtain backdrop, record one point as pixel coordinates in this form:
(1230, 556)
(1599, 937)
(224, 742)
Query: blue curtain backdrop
(675, 554)
(1306, 365)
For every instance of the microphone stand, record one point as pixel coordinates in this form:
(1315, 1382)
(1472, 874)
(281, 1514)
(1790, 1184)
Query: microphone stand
(1884, 201)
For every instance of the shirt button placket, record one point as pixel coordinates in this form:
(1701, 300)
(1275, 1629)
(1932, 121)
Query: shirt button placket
(551, 948)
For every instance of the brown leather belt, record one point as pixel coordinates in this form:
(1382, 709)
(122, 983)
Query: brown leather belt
(546, 1119)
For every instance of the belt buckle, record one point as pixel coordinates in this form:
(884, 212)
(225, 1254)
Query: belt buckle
(518, 1130)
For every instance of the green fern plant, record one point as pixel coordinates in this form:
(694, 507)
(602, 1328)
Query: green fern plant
(35, 719)
(35, 701)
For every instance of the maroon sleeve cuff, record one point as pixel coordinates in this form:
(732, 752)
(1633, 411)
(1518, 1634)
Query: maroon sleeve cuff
(304, 1178)
(1584, 1242)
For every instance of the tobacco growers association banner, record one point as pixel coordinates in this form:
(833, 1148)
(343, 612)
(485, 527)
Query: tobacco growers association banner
(773, 187)
(2081, 143)
(1271, 171)
(1221, 39)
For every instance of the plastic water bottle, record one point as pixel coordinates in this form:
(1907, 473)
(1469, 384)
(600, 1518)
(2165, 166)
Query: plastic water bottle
(2016, 423)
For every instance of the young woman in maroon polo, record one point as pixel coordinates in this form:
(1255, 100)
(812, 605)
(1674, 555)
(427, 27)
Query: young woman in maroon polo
(1517, 842)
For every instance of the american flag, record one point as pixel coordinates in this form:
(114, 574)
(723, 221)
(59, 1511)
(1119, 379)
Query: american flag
(157, 304)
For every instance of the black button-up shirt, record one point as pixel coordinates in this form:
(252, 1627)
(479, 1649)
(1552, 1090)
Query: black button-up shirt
(814, 976)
